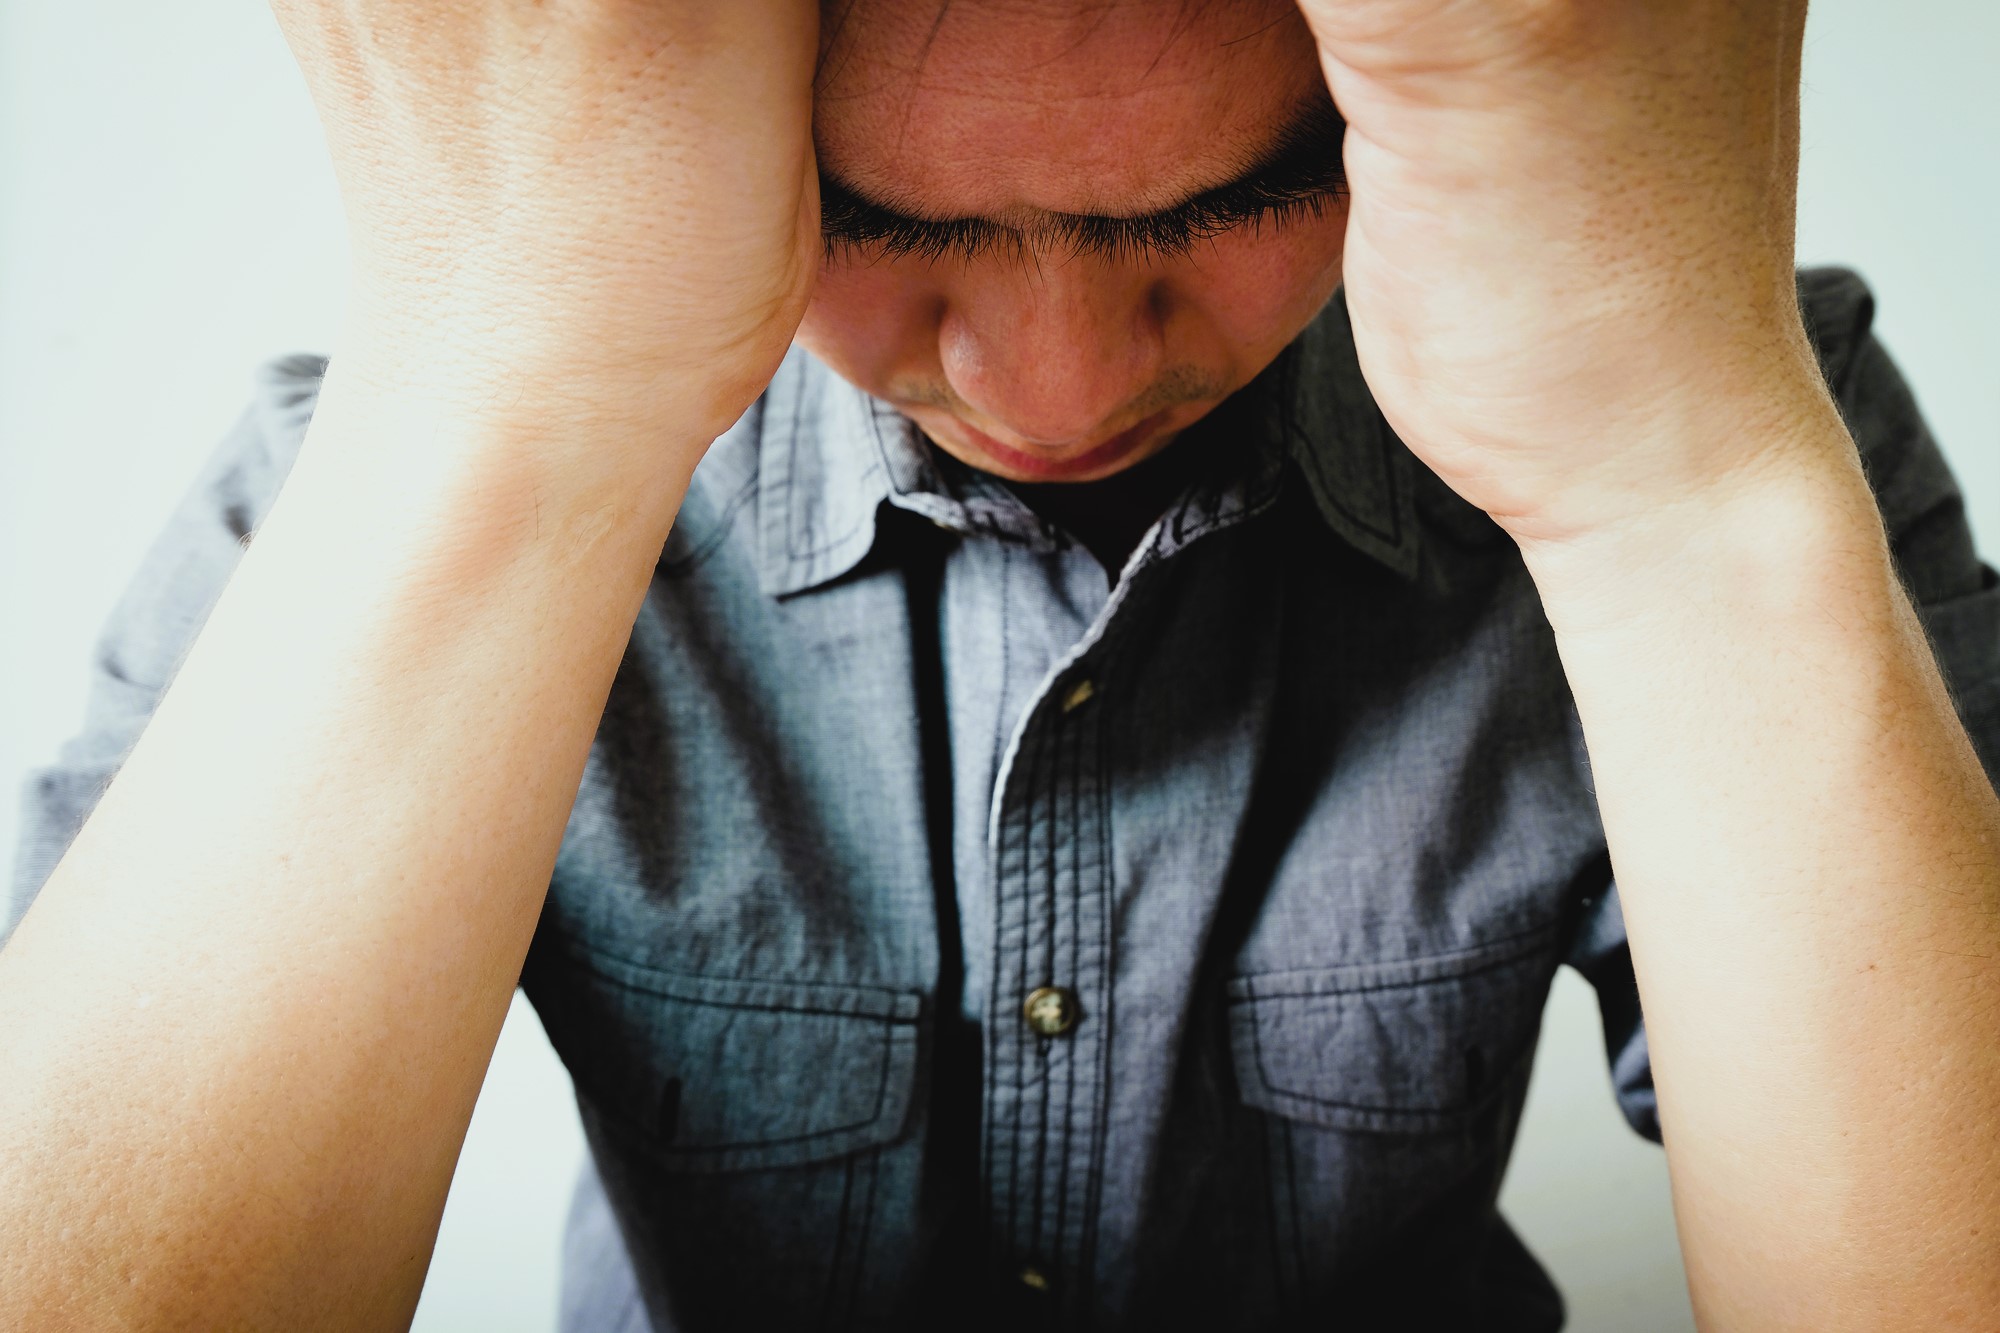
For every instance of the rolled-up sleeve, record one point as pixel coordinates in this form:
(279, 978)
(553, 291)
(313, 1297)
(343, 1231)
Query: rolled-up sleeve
(161, 611)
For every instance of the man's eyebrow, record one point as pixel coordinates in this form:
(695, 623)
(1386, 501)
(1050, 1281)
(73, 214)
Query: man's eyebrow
(1301, 172)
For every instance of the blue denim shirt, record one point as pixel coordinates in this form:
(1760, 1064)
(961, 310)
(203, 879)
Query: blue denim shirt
(1286, 832)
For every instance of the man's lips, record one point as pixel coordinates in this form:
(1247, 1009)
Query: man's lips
(1043, 467)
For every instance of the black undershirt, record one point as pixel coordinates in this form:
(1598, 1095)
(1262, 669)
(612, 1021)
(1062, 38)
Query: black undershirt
(1110, 515)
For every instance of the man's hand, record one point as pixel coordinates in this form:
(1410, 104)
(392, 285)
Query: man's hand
(1569, 255)
(245, 1022)
(603, 203)
(1569, 263)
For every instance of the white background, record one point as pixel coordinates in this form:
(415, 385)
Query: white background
(167, 220)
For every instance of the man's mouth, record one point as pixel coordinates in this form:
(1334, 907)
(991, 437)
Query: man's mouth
(1057, 464)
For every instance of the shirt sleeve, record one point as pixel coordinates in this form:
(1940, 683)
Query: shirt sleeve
(161, 611)
(1957, 598)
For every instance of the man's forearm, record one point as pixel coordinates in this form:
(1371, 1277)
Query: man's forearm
(244, 1026)
(1808, 855)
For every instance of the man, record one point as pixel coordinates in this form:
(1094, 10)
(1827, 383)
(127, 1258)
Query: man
(1118, 731)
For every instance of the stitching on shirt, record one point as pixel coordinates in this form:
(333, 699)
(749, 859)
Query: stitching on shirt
(836, 1266)
(678, 985)
(810, 1011)
(1292, 1198)
(874, 1166)
(1074, 975)
(725, 522)
(1188, 523)
(872, 1118)
(1266, 1128)
(1330, 494)
(927, 477)
(1097, 802)
(1407, 1114)
(871, 470)
(774, 477)
(1517, 948)
(999, 854)
(1040, 818)
(1106, 965)
(799, 518)
(1070, 831)
(1042, 808)
(1193, 531)
(1308, 456)
(1078, 867)
(1016, 1034)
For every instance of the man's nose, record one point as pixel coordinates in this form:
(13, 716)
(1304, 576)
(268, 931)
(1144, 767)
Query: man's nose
(1053, 356)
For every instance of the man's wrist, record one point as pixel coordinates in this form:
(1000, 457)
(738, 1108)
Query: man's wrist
(417, 416)
(1794, 520)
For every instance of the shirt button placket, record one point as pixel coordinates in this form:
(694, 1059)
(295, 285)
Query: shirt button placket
(1045, 1069)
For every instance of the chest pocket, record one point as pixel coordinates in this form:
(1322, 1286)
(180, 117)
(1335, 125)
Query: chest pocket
(752, 1136)
(1392, 1091)
(712, 1074)
(1404, 1047)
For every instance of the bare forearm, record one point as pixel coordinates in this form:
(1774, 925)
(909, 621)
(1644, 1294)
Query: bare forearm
(1809, 859)
(245, 1023)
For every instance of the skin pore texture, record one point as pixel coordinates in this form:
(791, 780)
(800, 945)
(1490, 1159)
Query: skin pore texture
(1033, 357)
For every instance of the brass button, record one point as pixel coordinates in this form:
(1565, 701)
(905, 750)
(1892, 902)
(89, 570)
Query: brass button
(1034, 1279)
(1079, 694)
(1051, 1011)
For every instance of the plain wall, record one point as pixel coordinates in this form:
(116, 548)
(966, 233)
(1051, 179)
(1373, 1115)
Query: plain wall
(168, 219)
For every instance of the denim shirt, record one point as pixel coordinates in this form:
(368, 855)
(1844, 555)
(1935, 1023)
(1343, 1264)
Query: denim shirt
(941, 934)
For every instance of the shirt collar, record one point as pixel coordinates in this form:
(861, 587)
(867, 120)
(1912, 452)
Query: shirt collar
(830, 456)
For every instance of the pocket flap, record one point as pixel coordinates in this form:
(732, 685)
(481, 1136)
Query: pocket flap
(715, 1074)
(1404, 1047)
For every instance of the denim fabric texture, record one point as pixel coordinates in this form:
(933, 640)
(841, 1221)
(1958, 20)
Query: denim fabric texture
(1296, 812)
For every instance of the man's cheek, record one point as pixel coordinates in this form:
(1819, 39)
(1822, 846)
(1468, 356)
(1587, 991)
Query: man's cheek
(1261, 286)
(871, 321)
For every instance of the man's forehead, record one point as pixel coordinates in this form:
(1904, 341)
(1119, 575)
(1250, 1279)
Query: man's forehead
(982, 107)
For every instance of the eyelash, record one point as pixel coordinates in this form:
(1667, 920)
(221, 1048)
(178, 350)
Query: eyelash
(851, 225)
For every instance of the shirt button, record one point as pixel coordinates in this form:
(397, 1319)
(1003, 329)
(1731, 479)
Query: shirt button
(1079, 695)
(1051, 1011)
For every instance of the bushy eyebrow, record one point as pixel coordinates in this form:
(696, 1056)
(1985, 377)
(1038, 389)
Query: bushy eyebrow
(1300, 173)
